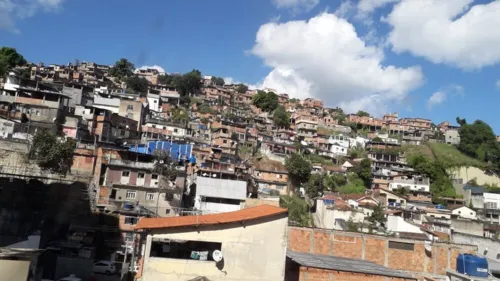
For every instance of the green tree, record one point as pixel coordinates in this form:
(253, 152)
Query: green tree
(377, 139)
(299, 169)
(362, 113)
(218, 81)
(166, 79)
(479, 141)
(204, 108)
(378, 215)
(180, 115)
(52, 153)
(314, 186)
(137, 84)
(188, 83)
(354, 185)
(267, 101)
(333, 182)
(364, 171)
(281, 118)
(10, 58)
(298, 210)
(241, 88)
(122, 69)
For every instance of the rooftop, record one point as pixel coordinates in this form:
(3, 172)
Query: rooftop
(258, 212)
(344, 264)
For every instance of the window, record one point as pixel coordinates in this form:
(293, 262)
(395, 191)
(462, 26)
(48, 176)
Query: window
(150, 196)
(176, 130)
(224, 141)
(154, 176)
(186, 250)
(122, 133)
(140, 175)
(222, 200)
(129, 236)
(401, 246)
(154, 126)
(131, 220)
(130, 107)
(130, 194)
(130, 115)
(125, 173)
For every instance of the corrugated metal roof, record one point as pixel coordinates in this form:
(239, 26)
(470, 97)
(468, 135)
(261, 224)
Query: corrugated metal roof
(344, 264)
(258, 212)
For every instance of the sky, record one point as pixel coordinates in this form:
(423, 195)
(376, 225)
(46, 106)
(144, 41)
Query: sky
(435, 59)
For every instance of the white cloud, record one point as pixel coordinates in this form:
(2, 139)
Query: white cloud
(448, 32)
(157, 67)
(296, 6)
(367, 7)
(12, 10)
(435, 99)
(442, 95)
(324, 58)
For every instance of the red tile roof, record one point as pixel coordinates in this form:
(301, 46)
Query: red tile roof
(261, 211)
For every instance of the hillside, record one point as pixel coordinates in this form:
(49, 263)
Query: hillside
(448, 155)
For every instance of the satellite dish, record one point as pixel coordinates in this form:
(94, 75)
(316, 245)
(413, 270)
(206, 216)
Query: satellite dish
(217, 255)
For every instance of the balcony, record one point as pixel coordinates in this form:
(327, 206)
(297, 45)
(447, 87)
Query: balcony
(132, 164)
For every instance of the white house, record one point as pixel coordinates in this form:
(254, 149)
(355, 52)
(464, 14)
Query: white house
(464, 212)
(338, 149)
(491, 200)
(417, 184)
(154, 102)
(215, 195)
(339, 140)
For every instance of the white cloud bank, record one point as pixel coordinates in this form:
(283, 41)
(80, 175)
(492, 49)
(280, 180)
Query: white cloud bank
(325, 58)
(13, 10)
(449, 32)
(441, 96)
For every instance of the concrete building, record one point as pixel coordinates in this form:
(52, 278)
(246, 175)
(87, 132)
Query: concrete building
(452, 137)
(132, 109)
(415, 184)
(464, 212)
(331, 212)
(182, 248)
(214, 195)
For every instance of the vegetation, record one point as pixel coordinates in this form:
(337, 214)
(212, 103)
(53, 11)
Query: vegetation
(164, 165)
(51, 153)
(478, 140)
(218, 81)
(364, 171)
(166, 79)
(298, 210)
(266, 101)
(204, 109)
(451, 157)
(241, 88)
(188, 83)
(122, 69)
(362, 113)
(10, 58)
(281, 118)
(299, 169)
(319, 183)
(137, 84)
(180, 115)
(354, 185)
(377, 139)
(378, 216)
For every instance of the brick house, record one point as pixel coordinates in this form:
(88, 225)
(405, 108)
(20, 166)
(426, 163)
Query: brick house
(270, 175)
(310, 102)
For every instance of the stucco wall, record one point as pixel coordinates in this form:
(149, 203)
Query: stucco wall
(250, 253)
(468, 173)
(14, 270)
(486, 247)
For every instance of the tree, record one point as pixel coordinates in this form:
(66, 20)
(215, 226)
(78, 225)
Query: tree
(281, 118)
(122, 69)
(354, 185)
(137, 84)
(180, 115)
(479, 141)
(267, 101)
(377, 215)
(314, 187)
(461, 122)
(364, 171)
(299, 169)
(298, 210)
(164, 166)
(218, 81)
(10, 58)
(166, 79)
(204, 108)
(241, 88)
(188, 83)
(377, 139)
(51, 153)
(362, 113)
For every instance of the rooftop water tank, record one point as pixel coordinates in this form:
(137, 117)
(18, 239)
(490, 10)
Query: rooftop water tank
(472, 265)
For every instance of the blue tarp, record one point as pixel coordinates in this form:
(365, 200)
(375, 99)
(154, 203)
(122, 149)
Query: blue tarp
(177, 151)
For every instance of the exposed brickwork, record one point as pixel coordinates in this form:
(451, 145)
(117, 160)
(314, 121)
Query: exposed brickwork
(374, 250)
(322, 243)
(350, 245)
(347, 246)
(315, 274)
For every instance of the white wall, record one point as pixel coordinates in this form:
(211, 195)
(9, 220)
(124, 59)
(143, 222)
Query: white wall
(339, 150)
(396, 184)
(465, 212)
(209, 207)
(398, 224)
(325, 218)
(254, 251)
(492, 198)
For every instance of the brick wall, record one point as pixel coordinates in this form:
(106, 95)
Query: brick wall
(308, 274)
(406, 255)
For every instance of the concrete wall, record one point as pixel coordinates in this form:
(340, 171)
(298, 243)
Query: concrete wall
(468, 173)
(398, 224)
(250, 252)
(482, 243)
(468, 226)
(14, 270)
(325, 218)
(377, 249)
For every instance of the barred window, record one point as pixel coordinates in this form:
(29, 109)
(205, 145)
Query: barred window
(401, 246)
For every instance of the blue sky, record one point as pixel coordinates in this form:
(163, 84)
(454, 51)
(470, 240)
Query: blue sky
(426, 58)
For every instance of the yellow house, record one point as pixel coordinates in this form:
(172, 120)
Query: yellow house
(248, 244)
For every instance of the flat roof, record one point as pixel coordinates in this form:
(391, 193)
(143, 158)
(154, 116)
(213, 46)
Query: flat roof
(254, 213)
(344, 264)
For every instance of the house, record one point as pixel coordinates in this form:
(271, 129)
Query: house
(338, 149)
(215, 195)
(331, 209)
(340, 140)
(416, 184)
(132, 109)
(270, 175)
(310, 102)
(416, 123)
(390, 199)
(452, 136)
(438, 220)
(182, 248)
(154, 129)
(464, 212)
(311, 266)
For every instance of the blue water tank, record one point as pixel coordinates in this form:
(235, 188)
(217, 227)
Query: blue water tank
(472, 265)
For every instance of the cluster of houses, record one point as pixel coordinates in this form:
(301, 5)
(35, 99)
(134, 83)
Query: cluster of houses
(229, 157)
